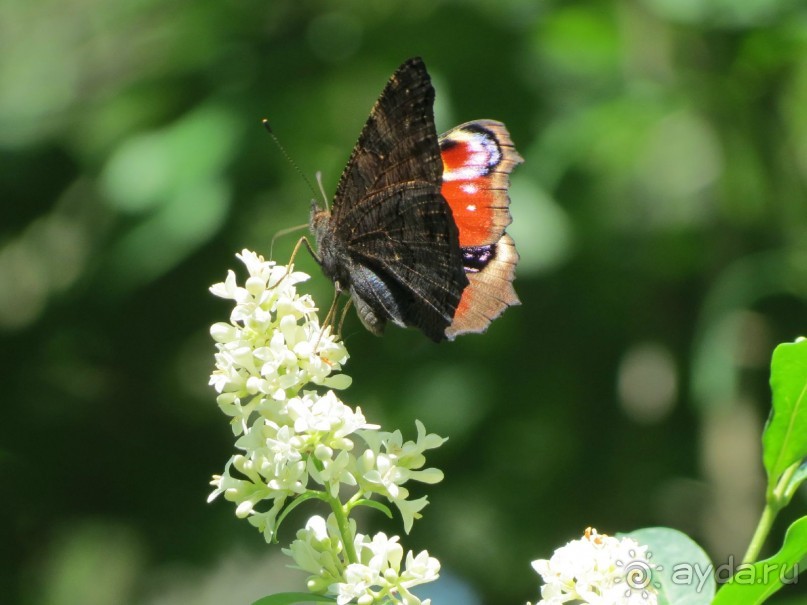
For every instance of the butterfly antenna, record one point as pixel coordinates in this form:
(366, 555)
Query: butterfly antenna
(322, 189)
(287, 156)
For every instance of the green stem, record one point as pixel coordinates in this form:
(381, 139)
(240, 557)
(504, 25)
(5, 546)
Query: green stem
(343, 523)
(761, 533)
(352, 502)
(776, 501)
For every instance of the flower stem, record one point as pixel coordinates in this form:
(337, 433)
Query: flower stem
(344, 530)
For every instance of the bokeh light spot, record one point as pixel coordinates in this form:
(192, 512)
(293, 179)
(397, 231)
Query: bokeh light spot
(647, 382)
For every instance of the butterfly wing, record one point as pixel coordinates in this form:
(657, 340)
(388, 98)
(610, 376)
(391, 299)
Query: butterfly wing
(397, 144)
(478, 158)
(389, 222)
(410, 245)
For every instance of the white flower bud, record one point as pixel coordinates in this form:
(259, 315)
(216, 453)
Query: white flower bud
(222, 332)
(323, 452)
(255, 285)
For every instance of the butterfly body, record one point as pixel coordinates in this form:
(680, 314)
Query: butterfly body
(417, 219)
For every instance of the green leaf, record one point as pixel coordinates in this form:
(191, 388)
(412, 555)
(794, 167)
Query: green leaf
(784, 440)
(294, 504)
(289, 598)
(795, 481)
(373, 504)
(684, 573)
(752, 584)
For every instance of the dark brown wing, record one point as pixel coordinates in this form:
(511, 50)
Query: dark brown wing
(388, 211)
(398, 142)
(405, 239)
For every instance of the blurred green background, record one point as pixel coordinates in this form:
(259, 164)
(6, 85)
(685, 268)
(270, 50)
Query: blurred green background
(661, 216)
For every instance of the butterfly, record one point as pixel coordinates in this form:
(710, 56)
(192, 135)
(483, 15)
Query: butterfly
(416, 232)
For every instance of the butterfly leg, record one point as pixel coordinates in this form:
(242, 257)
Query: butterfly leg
(344, 315)
(300, 242)
(328, 321)
(283, 232)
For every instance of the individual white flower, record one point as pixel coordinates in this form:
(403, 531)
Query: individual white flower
(357, 585)
(420, 568)
(272, 457)
(266, 522)
(410, 453)
(385, 553)
(407, 456)
(387, 477)
(329, 470)
(246, 493)
(600, 570)
(410, 510)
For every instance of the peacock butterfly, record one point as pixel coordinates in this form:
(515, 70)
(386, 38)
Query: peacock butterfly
(416, 232)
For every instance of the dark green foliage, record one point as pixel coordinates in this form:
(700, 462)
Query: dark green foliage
(661, 215)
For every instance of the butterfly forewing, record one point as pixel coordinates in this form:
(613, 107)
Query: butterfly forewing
(398, 142)
(389, 218)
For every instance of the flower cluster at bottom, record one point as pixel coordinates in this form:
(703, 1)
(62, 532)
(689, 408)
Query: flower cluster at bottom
(600, 570)
(297, 443)
(375, 577)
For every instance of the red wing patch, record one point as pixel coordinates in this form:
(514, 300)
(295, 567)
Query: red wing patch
(477, 160)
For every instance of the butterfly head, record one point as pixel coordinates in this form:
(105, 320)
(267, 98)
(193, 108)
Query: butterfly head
(319, 223)
(317, 214)
(331, 253)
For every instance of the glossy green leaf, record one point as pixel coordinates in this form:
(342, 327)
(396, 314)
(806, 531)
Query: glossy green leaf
(784, 440)
(683, 575)
(752, 584)
(795, 481)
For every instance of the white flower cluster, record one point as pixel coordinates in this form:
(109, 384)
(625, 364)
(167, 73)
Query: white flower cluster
(297, 443)
(375, 578)
(600, 570)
